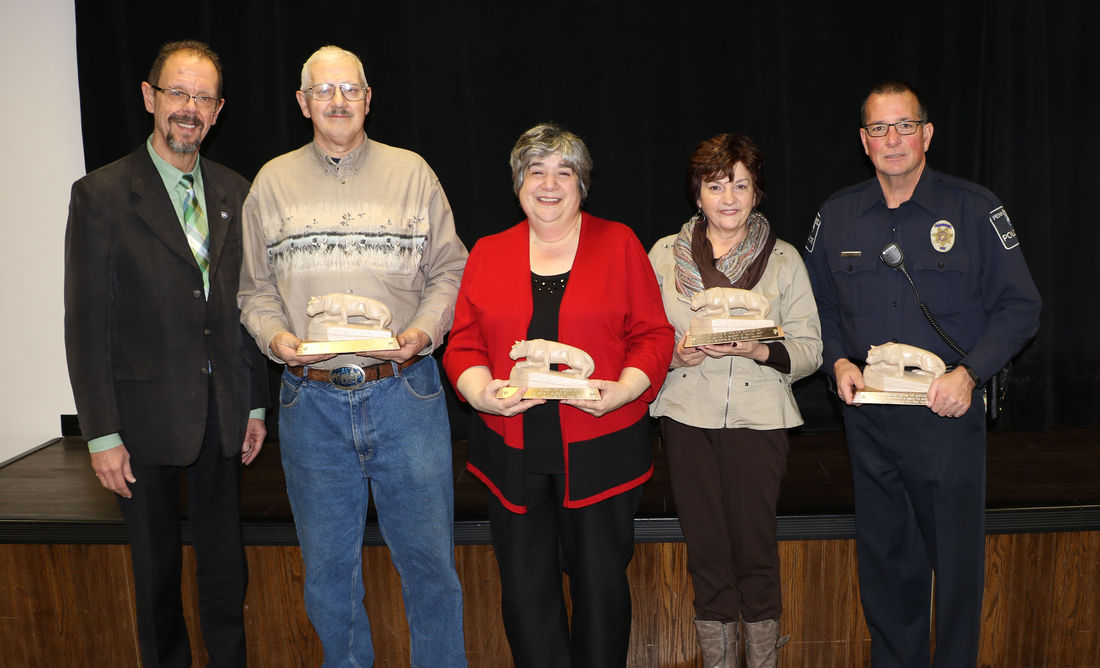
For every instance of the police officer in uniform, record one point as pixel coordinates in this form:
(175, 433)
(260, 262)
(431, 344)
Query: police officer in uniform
(918, 473)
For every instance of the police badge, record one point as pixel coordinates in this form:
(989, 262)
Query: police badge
(943, 235)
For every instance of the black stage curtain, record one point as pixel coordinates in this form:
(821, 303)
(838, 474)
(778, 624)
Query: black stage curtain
(1011, 87)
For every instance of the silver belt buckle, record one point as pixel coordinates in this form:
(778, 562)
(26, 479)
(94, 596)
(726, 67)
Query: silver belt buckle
(348, 377)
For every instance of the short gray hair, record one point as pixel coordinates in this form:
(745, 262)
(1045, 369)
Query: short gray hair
(330, 51)
(546, 139)
(893, 88)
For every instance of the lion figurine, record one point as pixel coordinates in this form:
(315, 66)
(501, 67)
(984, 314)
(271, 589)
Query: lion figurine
(541, 353)
(719, 302)
(895, 357)
(334, 309)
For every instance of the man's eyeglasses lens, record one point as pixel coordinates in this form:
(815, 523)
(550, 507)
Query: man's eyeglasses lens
(903, 128)
(324, 92)
(181, 97)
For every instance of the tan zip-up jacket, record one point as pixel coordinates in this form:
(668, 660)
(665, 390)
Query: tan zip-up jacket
(735, 392)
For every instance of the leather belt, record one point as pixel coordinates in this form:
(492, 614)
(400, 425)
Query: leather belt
(352, 376)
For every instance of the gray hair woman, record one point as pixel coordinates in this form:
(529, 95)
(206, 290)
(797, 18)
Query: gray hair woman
(545, 140)
(565, 473)
(725, 409)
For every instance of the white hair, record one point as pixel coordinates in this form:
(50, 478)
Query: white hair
(330, 51)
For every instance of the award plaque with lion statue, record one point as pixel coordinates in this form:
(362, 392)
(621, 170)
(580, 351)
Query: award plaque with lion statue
(897, 373)
(728, 315)
(533, 371)
(342, 323)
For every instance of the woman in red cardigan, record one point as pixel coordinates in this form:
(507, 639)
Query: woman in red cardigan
(564, 477)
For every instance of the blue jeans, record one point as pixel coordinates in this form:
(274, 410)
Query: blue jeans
(389, 438)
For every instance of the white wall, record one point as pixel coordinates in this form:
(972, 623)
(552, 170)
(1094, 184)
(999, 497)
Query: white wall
(41, 154)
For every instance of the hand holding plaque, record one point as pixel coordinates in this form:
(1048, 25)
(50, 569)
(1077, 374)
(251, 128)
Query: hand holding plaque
(534, 372)
(897, 373)
(331, 329)
(719, 324)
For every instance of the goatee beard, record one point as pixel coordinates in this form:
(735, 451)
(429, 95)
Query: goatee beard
(181, 146)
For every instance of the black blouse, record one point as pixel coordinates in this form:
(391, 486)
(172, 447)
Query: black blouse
(542, 440)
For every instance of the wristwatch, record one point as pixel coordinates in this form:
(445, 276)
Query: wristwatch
(973, 374)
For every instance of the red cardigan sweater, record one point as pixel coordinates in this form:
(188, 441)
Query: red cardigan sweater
(611, 308)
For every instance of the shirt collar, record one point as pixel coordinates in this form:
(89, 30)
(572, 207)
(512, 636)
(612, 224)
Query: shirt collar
(922, 194)
(352, 161)
(168, 172)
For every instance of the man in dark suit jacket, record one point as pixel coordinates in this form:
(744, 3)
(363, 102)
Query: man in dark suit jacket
(163, 378)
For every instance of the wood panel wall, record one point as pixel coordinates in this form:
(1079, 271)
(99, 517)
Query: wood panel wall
(72, 605)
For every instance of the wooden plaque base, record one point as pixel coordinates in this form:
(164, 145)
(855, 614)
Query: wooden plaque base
(551, 393)
(349, 346)
(714, 338)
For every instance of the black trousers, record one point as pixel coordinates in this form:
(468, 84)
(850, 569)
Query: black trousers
(593, 545)
(919, 484)
(153, 524)
(726, 485)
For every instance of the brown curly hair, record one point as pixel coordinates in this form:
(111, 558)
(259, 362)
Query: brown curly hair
(718, 156)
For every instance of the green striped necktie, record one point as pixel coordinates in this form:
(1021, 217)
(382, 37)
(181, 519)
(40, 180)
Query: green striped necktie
(198, 232)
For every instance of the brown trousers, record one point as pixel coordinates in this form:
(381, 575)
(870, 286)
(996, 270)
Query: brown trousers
(726, 485)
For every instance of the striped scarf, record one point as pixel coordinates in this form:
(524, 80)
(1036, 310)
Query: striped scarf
(741, 267)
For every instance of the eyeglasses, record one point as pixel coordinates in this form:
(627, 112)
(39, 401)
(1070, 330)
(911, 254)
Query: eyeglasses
(903, 128)
(181, 98)
(324, 92)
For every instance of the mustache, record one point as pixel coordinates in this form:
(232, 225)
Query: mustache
(339, 112)
(187, 117)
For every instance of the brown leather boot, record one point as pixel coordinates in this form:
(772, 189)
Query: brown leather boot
(712, 642)
(761, 642)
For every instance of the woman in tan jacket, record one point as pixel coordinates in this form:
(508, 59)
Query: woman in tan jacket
(725, 409)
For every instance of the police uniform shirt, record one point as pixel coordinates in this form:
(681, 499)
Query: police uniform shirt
(962, 253)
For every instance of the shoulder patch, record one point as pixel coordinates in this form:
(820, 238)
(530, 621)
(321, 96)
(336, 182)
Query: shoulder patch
(1003, 226)
(812, 239)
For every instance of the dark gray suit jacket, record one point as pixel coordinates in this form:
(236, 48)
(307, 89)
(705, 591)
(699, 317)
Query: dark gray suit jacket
(138, 332)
